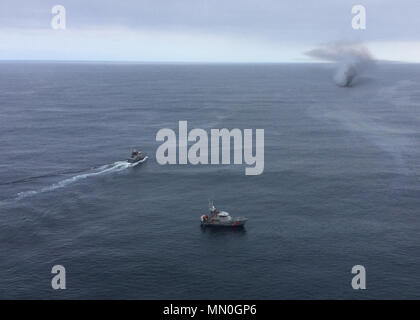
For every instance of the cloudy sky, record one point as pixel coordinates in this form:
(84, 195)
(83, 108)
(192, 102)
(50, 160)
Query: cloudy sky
(204, 30)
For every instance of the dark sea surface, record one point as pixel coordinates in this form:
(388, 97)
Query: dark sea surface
(341, 184)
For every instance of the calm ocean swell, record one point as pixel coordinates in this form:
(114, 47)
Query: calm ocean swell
(340, 187)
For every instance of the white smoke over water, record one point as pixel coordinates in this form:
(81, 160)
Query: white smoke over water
(352, 59)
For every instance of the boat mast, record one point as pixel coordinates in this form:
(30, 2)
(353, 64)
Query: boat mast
(212, 208)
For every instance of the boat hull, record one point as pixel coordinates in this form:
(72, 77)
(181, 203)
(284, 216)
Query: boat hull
(137, 161)
(231, 224)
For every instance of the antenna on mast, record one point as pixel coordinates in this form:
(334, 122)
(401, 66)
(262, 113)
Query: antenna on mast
(212, 208)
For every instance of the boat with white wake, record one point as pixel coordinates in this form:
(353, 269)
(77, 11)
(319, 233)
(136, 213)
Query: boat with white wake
(137, 157)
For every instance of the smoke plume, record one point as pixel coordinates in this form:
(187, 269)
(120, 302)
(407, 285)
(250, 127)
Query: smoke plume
(352, 60)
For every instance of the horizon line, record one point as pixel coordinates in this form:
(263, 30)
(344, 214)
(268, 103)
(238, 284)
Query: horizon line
(188, 62)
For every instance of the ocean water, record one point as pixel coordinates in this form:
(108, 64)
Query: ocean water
(341, 185)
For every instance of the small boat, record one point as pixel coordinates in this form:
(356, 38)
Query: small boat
(216, 218)
(137, 157)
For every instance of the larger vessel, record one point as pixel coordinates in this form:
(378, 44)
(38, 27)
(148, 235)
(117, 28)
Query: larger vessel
(216, 218)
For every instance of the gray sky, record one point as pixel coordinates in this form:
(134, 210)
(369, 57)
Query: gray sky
(204, 30)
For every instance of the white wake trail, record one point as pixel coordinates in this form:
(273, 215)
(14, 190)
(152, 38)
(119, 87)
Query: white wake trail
(106, 169)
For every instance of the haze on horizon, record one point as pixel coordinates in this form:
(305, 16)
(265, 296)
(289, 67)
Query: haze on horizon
(204, 30)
